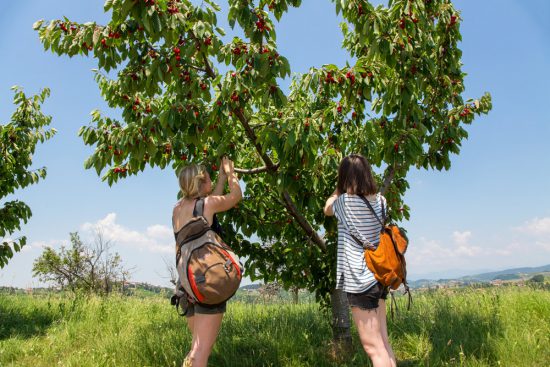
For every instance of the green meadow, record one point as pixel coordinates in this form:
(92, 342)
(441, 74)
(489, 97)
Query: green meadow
(500, 326)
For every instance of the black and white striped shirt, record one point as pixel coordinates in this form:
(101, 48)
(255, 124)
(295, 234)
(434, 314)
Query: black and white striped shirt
(354, 216)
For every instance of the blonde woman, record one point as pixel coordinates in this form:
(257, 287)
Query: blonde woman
(195, 183)
(366, 296)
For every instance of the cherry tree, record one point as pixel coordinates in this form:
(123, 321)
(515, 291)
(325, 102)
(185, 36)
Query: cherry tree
(400, 104)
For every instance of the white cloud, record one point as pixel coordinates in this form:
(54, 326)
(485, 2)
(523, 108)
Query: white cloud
(39, 245)
(432, 252)
(156, 238)
(545, 246)
(159, 231)
(536, 226)
(461, 238)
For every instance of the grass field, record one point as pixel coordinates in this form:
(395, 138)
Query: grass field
(508, 326)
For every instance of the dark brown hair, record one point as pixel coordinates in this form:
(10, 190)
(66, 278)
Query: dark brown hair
(355, 176)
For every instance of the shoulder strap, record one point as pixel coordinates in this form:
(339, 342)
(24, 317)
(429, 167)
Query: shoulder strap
(198, 210)
(374, 213)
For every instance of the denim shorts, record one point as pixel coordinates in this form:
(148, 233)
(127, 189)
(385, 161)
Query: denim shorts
(368, 300)
(192, 309)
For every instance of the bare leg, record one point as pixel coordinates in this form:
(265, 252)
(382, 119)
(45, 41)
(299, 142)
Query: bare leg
(205, 330)
(384, 329)
(370, 334)
(190, 322)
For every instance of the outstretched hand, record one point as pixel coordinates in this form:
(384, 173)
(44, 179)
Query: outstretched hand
(227, 166)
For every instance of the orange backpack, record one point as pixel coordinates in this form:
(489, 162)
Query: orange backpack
(387, 261)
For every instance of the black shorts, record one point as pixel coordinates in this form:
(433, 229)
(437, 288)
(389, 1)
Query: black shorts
(368, 300)
(192, 309)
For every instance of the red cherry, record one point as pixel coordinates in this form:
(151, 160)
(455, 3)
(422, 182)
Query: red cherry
(350, 76)
(353, 114)
(396, 147)
(453, 20)
(402, 23)
(196, 113)
(183, 157)
(339, 108)
(219, 103)
(208, 41)
(176, 50)
(214, 167)
(203, 86)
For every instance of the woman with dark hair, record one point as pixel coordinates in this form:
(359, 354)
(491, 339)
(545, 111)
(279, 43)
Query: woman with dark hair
(356, 223)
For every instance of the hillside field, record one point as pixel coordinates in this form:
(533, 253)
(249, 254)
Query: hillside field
(496, 326)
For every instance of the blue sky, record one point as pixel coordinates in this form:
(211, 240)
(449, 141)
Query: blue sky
(490, 211)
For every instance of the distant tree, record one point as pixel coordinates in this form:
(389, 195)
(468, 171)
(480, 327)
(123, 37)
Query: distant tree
(270, 290)
(92, 268)
(18, 140)
(539, 278)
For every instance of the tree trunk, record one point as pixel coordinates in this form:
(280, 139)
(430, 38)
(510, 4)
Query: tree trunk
(341, 331)
(295, 294)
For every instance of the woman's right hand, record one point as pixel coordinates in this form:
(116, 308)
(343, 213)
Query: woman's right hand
(221, 203)
(228, 166)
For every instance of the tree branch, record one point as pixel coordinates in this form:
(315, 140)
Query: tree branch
(390, 174)
(254, 140)
(253, 171)
(270, 166)
(312, 234)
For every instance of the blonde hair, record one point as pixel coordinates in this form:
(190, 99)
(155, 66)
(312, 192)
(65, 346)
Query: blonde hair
(190, 179)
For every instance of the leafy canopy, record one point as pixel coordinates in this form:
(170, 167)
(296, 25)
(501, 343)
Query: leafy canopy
(160, 62)
(18, 140)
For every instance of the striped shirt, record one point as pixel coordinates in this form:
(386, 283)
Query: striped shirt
(355, 217)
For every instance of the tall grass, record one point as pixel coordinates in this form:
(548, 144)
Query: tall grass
(486, 327)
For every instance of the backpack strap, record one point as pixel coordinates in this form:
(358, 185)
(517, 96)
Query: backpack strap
(383, 221)
(198, 210)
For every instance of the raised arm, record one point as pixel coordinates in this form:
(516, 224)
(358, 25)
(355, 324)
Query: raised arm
(220, 183)
(221, 203)
(328, 210)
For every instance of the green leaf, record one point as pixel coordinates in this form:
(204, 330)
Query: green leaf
(36, 25)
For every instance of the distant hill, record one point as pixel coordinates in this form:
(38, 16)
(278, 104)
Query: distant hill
(250, 287)
(507, 274)
(487, 277)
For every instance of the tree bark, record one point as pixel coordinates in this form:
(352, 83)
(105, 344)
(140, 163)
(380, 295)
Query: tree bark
(341, 330)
